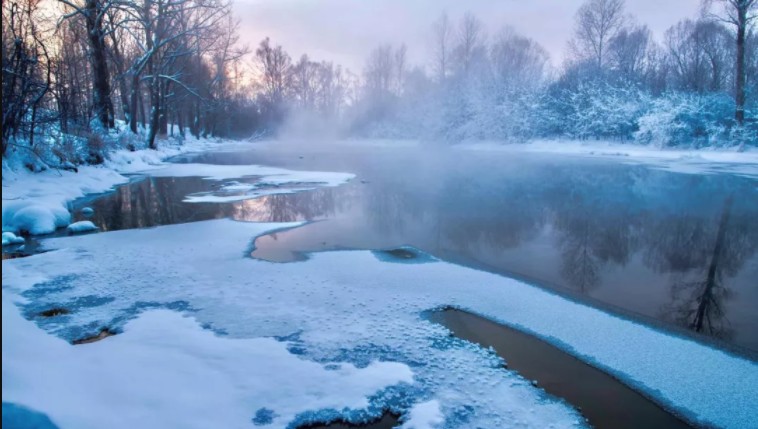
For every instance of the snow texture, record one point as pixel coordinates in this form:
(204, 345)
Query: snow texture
(337, 309)
(81, 226)
(164, 370)
(424, 415)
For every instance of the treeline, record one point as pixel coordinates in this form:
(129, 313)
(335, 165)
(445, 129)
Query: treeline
(73, 70)
(698, 87)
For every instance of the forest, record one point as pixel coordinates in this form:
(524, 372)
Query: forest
(82, 77)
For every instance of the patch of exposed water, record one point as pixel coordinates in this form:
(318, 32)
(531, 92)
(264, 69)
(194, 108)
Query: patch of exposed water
(601, 398)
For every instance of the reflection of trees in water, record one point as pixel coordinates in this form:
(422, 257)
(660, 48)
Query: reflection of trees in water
(159, 201)
(306, 205)
(596, 220)
(590, 238)
(719, 248)
(150, 202)
(396, 206)
(503, 222)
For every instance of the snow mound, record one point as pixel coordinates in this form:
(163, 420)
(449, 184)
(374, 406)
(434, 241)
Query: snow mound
(18, 417)
(10, 238)
(81, 226)
(88, 211)
(34, 218)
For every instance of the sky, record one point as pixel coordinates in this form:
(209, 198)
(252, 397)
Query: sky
(345, 31)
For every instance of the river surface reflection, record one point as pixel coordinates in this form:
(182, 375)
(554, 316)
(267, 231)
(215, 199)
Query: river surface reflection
(676, 248)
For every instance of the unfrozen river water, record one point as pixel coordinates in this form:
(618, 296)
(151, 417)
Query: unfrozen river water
(639, 241)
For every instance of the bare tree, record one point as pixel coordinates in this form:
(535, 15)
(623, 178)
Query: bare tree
(26, 69)
(597, 22)
(470, 43)
(629, 51)
(94, 13)
(698, 54)
(274, 67)
(443, 33)
(741, 14)
(518, 60)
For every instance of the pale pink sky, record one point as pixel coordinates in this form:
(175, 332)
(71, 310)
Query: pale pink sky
(345, 31)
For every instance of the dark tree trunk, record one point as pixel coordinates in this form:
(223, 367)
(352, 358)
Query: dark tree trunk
(101, 103)
(155, 112)
(134, 103)
(143, 116)
(740, 78)
(164, 113)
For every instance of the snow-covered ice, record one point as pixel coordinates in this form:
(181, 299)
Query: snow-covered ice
(166, 371)
(81, 226)
(270, 180)
(345, 307)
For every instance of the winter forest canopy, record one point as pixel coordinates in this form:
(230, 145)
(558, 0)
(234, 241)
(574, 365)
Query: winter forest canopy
(83, 76)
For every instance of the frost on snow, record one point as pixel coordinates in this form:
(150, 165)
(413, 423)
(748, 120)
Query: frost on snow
(340, 311)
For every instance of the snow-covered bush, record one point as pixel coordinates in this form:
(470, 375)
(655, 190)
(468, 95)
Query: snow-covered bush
(679, 118)
(596, 110)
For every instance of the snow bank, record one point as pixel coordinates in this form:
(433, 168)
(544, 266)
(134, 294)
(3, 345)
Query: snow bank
(690, 161)
(350, 306)
(166, 371)
(10, 238)
(81, 226)
(37, 203)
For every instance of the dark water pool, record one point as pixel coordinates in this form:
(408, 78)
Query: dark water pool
(604, 401)
(636, 240)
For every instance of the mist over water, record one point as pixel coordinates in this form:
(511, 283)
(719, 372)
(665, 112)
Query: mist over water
(631, 237)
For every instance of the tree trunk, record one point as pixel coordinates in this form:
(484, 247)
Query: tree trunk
(740, 78)
(134, 100)
(101, 103)
(155, 112)
(164, 113)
